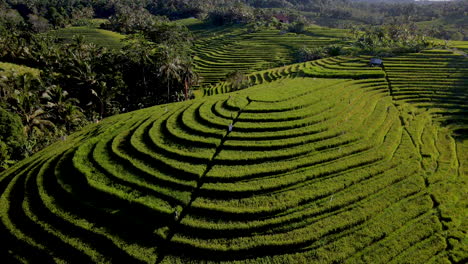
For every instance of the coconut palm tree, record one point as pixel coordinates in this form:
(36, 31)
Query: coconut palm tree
(188, 76)
(170, 70)
(24, 99)
(25, 102)
(62, 108)
(36, 124)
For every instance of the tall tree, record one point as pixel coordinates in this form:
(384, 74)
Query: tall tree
(189, 77)
(170, 70)
(63, 109)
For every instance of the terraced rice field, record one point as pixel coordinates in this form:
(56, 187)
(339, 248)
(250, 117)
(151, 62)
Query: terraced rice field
(299, 169)
(461, 45)
(220, 50)
(337, 67)
(100, 37)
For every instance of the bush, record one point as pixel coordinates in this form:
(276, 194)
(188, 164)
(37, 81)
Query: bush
(235, 14)
(308, 54)
(457, 36)
(315, 53)
(238, 80)
(12, 138)
(333, 50)
(297, 27)
(390, 39)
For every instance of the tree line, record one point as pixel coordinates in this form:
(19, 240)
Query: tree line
(45, 14)
(80, 82)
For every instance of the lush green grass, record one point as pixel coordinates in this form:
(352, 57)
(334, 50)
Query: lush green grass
(101, 37)
(327, 162)
(11, 68)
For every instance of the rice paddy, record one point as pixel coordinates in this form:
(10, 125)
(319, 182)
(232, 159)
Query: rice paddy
(100, 37)
(221, 50)
(320, 162)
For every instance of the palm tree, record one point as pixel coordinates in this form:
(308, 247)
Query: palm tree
(140, 51)
(170, 70)
(62, 108)
(188, 76)
(36, 123)
(7, 87)
(24, 101)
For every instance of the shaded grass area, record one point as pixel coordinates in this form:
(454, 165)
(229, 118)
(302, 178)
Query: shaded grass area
(10, 68)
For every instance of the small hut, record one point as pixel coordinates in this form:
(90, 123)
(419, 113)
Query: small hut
(376, 62)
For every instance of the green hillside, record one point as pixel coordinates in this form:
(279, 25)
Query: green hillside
(100, 37)
(321, 162)
(221, 50)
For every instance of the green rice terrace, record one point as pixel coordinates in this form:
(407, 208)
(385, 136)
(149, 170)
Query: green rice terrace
(100, 37)
(222, 50)
(321, 162)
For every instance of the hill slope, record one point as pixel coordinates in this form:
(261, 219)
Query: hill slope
(100, 37)
(220, 50)
(296, 169)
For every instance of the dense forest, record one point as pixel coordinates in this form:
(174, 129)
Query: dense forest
(81, 83)
(60, 13)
